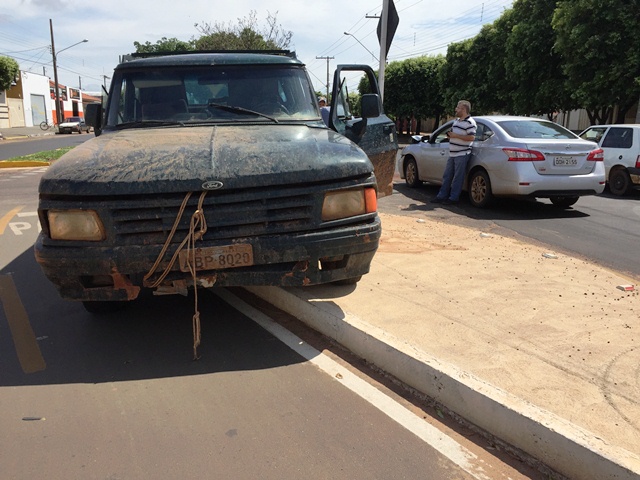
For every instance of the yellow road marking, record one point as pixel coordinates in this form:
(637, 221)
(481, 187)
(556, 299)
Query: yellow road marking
(24, 339)
(4, 221)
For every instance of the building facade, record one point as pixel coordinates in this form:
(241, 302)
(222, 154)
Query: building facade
(31, 100)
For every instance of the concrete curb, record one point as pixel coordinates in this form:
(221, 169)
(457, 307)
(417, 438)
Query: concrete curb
(21, 164)
(563, 446)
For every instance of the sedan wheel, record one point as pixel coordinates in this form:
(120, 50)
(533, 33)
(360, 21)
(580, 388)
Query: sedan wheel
(411, 173)
(619, 182)
(563, 202)
(480, 194)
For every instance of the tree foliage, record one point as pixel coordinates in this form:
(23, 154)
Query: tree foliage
(246, 35)
(9, 69)
(600, 46)
(537, 82)
(413, 89)
(164, 45)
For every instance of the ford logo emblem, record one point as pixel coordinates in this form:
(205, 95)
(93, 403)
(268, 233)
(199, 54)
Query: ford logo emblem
(212, 185)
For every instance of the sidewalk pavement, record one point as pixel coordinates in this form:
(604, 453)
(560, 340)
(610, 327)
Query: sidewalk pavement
(540, 349)
(14, 133)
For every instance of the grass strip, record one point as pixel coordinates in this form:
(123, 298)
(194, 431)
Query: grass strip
(46, 156)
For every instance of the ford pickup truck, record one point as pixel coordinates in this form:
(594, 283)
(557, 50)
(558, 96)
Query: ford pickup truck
(216, 169)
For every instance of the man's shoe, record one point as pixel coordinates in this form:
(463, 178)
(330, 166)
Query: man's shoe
(437, 200)
(450, 202)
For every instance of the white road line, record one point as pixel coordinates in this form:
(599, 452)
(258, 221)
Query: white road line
(444, 444)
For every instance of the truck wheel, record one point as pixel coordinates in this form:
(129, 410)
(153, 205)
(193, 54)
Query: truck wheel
(348, 281)
(411, 176)
(563, 202)
(100, 308)
(619, 182)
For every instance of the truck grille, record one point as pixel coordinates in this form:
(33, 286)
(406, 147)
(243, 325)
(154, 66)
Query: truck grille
(146, 220)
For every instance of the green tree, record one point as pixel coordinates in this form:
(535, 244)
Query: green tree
(413, 89)
(600, 47)
(537, 82)
(164, 45)
(246, 35)
(9, 69)
(454, 76)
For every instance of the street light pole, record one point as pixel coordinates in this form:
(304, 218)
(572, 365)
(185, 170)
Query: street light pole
(352, 35)
(56, 88)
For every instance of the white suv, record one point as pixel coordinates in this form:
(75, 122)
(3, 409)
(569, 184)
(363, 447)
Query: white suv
(621, 145)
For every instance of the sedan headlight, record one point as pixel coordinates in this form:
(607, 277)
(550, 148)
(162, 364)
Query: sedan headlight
(348, 203)
(75, 225)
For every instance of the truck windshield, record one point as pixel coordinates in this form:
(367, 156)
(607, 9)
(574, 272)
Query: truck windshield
(211, 94)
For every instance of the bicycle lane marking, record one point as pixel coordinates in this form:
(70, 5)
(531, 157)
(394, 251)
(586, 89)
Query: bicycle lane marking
(4, 221)
(24, 339)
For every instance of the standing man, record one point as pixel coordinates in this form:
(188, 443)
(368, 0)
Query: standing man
(324, 110)
(461, 136)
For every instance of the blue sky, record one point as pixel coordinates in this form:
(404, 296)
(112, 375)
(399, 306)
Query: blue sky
(111, 27)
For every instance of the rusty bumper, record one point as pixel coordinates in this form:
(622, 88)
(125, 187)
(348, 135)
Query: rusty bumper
(98, 273)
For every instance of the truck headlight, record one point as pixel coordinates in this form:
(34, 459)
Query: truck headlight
(75, 225)
(348, 203)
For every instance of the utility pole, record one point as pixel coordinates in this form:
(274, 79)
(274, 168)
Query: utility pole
(55, 76)
(326, 58)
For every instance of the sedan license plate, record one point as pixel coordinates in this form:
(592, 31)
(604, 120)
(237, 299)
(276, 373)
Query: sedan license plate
(565, 161)
(216, 258)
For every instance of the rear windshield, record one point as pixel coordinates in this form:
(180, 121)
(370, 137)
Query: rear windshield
(212, 93)
(535, 129)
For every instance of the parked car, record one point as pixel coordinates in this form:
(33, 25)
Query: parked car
(621, 145)
(73, 124)
(512, 157)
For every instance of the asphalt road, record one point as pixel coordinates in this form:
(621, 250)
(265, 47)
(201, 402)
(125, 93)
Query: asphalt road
(603, 229)
(14, 148)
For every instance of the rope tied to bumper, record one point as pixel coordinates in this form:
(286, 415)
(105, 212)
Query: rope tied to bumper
(197, 229)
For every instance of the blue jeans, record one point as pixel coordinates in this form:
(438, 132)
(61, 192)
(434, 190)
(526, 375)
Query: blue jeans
(453, 178)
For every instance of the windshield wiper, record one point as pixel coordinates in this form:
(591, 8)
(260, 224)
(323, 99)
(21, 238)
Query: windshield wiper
(146, 123)
(245, 111)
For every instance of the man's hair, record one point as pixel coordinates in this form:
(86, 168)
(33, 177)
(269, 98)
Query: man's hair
(466, 105)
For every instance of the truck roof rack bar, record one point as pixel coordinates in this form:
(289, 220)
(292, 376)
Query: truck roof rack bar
(131, 56)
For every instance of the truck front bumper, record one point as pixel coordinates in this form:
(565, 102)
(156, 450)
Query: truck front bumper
(98, 273)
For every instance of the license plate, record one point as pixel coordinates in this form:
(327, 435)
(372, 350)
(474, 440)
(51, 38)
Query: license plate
(564, 161)
(216, 258)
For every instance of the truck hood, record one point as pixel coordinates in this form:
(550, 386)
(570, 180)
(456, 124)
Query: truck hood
(180, 159)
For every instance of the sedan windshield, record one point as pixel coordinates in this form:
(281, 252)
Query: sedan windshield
(535, 129)
(183, 95)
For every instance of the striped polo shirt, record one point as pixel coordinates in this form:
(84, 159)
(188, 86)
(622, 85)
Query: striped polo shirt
(466, 126)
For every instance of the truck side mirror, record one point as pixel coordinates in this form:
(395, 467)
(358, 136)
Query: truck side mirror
(93, 117)
(370, 105)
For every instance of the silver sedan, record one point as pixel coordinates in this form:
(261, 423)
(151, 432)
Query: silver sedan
(512, 157)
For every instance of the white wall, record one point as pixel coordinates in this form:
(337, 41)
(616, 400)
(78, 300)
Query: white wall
(33, 83)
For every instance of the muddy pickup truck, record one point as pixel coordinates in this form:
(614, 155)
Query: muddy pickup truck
(216, 169)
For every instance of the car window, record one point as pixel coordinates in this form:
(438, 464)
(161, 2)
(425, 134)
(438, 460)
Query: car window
(618, 137)
(593, 134)
(535, 129)
(440, 136)
(483, 132)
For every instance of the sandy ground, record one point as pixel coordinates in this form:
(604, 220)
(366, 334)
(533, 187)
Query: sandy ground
(552, 329)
